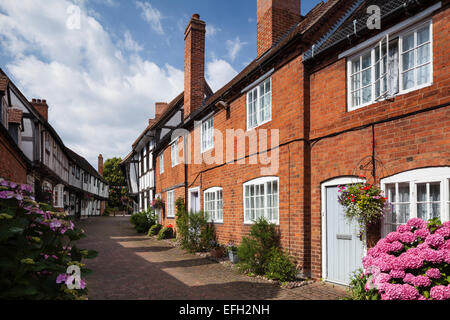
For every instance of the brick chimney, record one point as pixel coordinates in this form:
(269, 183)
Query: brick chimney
(194, 64)
(41, 107)
(274, 19)
(100, 164)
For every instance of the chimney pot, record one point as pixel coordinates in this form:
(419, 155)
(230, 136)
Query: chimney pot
(196, 16)
(41, 107)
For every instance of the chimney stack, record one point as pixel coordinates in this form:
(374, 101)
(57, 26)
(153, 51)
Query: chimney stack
(41, 107)
(100, 164)
(194, 65)
(160, 108)
(274, 19)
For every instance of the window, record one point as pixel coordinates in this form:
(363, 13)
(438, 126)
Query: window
(422, 193)
(148, 156)
(382, 72)
(261, 200)
(161, 163)
(171, 204)
(142, 162)
(259, 104)
(208, 134)
(213, 204)
(174, 153)
(78, 173)
(416, 58)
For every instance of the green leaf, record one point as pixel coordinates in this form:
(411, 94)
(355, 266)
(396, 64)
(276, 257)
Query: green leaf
(20, 291)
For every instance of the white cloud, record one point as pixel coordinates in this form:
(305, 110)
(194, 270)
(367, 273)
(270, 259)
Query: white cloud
(151, 15)
(211, 30)
(233, 47)
(99, 94)
(129, 44)
(218, 73)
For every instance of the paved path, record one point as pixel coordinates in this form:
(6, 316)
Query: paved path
(133, 266)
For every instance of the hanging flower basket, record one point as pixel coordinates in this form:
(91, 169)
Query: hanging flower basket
(158, 204)
(364, 203)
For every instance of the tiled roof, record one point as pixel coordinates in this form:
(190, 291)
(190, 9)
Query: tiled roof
(84, 164)
(15, 115)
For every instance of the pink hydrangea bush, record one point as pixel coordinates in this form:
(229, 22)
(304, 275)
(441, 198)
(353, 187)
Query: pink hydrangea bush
(412, 263)
(37, 245)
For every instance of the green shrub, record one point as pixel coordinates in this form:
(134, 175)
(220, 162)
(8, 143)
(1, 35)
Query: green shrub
(280, 266)
(193, 230)
(143, 221)
(37, 245)
(165, 233)
(357, 289)
(255, 250)
(154, 230)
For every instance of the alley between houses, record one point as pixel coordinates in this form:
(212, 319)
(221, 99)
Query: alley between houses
(135, 267)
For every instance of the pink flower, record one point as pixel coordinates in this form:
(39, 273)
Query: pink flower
(403, 228)
(409, 261)
(443, 231)
(422, 233)
(400, 292)
(433, 273)
(61, 278)
(440, 293)
(396, 246)
(407, 237)
(393, 236)
(435, 240)
(416, 223)
(409, 278)
(446, 245)
(382, 278)
(398, 274)
(421, 281)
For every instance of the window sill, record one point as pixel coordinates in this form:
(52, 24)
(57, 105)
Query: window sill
(259, 125)
(247, 223)
(206, 150)
(350, 109)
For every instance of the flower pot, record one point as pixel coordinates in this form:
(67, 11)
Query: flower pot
(232, 255)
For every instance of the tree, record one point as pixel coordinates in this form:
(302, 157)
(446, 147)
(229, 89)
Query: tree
(113, 174)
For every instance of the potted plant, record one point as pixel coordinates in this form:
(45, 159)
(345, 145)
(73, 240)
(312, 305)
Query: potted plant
(364, 203)
(232, 252)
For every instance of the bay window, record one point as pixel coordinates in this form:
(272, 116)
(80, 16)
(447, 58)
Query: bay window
(261, 200)
(397, 64)
(213, 204)
(259, 104)
(422, 193)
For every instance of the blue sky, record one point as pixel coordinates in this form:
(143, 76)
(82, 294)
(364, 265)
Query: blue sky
(102, 76)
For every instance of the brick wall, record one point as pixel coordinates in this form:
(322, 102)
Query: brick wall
(12, 167)
(416, 141)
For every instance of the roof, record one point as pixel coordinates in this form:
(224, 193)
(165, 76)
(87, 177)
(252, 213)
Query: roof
(15, 115)
(344, 28)
(308, 25)
(84, 164)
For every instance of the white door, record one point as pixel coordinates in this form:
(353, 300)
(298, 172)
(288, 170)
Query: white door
(344, 248)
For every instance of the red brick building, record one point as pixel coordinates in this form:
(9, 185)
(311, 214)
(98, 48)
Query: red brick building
(327, 98)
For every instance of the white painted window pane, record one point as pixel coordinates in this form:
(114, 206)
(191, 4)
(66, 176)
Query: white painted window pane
(422, 192)
(423, 54)
(408, 80)
(423, 74)
(408, 42)
(423, 35)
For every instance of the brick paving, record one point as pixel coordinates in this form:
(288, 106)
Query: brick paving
(130, 266)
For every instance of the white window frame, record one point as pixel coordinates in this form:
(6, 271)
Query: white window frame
(161, 163)
(174, 153)
(419, 176)
(398, 35)
(257, 90)
(171, 204)
(260, 181)
(216, 216)
(207, 134)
